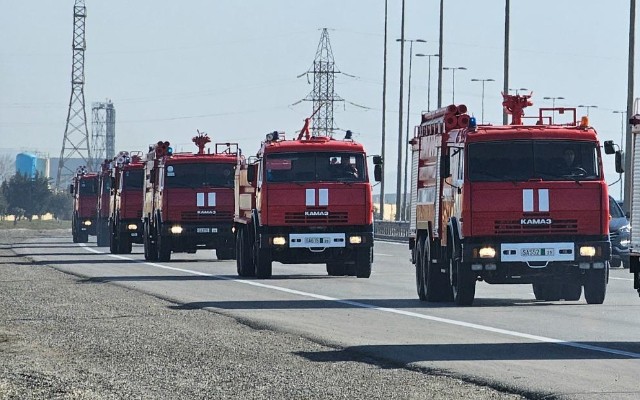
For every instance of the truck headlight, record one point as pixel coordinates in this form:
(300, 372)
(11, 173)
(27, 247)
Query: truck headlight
(176, 229)
(279, 241)
(587, 251)
(487, 252)
(87, 223)
(355, 239)
(132, 227)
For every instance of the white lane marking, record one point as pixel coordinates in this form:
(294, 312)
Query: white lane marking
(621, 279)
(412, 314)
(384, 255)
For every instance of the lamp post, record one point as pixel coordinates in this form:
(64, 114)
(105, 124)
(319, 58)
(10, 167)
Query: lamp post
(587, 107)
(518, 90)
(406, 160)
(553, 105)
(453, 86)
(399, 167)
(623, 114)
(429, 78)
(384, 108)
(483, 81)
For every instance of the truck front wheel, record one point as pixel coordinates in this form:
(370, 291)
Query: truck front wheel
(595, 285)
(163, 245)
(364, 259)
(336, 269)
(263, 263)
(244, 265)
(463, 283)
(419, 267)
(150, 253)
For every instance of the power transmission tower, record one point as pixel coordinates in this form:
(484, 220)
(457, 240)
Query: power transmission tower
(76, 134)
(103, 131)
(323, 95)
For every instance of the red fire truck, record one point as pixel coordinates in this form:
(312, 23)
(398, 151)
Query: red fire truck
(103, 210)
(84, 190)
(125, 219)
(305, 201)
(188, 200)
(508, 204)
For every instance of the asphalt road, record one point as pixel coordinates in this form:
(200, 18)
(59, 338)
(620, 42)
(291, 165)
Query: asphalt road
(506, 340)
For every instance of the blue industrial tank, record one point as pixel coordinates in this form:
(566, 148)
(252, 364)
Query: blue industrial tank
(27, 164)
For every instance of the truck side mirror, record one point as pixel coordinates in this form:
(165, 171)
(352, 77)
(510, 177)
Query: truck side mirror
(71, 189)
(619, 162)
(251, 172)
(608, 147)
(377, 172)
(445, 165)
(377, 160)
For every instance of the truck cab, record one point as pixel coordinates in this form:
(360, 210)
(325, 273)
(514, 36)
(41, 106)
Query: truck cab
(84, 190)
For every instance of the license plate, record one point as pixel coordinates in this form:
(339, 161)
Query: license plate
(206, 230)
(317, 240)
(134, 234)
(534, 252)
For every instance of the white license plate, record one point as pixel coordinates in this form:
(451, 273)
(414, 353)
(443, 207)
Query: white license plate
(134, 234)
(317, 240)
(535, 252)
(206, 230)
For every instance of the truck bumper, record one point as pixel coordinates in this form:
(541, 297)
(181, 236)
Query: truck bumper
(317, 248)
(132, 229)
(534, 261)
(194, 236)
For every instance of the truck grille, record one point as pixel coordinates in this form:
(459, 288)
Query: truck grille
(218, 216)
(513, 227)
(300, 218)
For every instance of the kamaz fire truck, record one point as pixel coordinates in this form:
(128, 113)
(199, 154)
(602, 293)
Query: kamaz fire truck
(508, 204)
(84, 190)
(188, 200)
(103, 206)
(125, 219)
(306, 200)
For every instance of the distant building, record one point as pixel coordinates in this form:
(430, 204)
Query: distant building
(29, 164)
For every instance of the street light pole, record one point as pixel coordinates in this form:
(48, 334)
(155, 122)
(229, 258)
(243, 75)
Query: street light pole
(429, 78)
(403, 211)
(587, 107)
(622, 118)
(453, 87)
(399, 172)
(384, 110)
(483, 82)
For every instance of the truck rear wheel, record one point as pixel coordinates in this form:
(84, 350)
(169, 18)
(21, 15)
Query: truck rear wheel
(336, 269)
(263, 263)
(102, 233)
(464, 282)
(419, 273)
(364, 259)
(244, 263)
(595, 285)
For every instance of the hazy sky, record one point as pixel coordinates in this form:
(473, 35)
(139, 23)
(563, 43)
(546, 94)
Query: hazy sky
(229, 67)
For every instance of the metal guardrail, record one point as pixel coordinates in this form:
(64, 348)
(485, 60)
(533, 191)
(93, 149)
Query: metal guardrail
(391, 230)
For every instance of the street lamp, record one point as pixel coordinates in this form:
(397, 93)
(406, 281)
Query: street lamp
(622, 118)
(429, 78)
(399, 173)
(483, 81)
(453, 86)
(518, 90)
(553, 105)
(587, 107)
(406, 161)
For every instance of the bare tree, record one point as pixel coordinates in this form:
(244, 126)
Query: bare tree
(7, 167)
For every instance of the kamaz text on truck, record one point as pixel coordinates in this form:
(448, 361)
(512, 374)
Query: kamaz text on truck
(189, 200)
(305, 201)
(84, 190)
(518, 203)
(125, 220)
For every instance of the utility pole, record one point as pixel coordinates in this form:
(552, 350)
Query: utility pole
(76, 134)
(399, 168)
(384, 109)
(630, 98)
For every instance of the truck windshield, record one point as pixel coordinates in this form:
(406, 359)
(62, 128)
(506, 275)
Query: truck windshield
(198, 175)
(522, 160)
(133, 179)
(88, 186)
(315, 167)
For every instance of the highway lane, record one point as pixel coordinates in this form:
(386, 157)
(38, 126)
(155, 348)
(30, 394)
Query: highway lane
(506, 339)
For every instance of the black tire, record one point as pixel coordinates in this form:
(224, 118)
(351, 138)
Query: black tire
(125, 245)
(615, 263)
(150, 252)
(225, 253)
(464, 282)
(419, 266)
(163, 246)
(74, 228)
(436, 284)
(83, 236)
(244, 263)
(364, 260)
(336, 269)
(263, 263)
(113, 240)
(547, 291)
(595, 285)
(571, 291)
